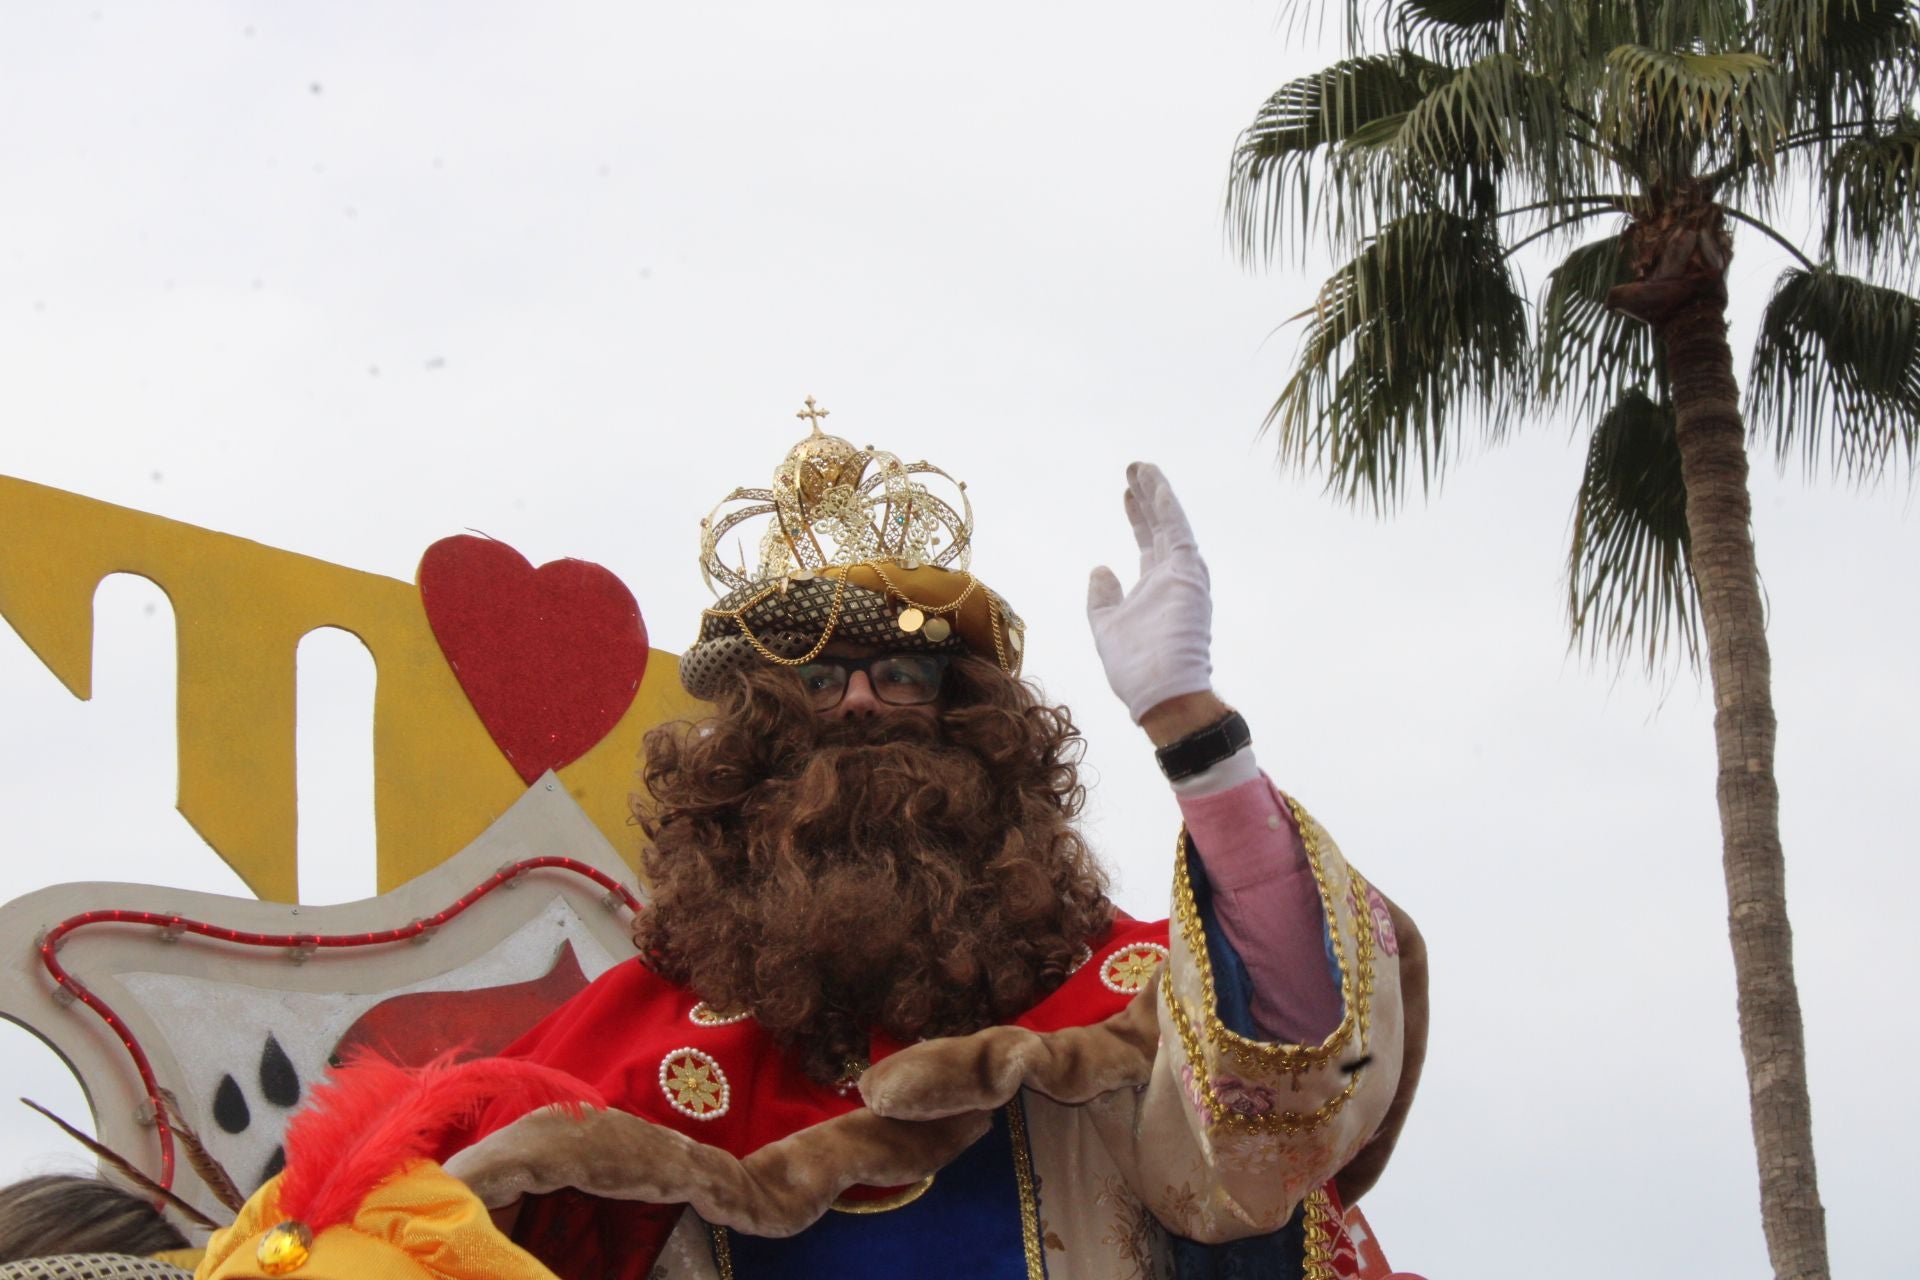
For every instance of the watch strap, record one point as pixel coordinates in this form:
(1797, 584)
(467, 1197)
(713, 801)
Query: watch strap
(1204, 748)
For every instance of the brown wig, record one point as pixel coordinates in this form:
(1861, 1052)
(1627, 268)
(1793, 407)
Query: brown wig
(916, 875)
(62, 1213)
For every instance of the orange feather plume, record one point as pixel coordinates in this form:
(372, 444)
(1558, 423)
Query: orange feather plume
(372, 1117)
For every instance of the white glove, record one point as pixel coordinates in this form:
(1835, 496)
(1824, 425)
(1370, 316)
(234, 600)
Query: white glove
(1156, 642)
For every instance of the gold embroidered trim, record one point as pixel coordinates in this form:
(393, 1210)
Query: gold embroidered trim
(1028, 1184)
(722, 1251)
(1364, 929)
(898, 1200)
(1316, 1262)
(1356, 993)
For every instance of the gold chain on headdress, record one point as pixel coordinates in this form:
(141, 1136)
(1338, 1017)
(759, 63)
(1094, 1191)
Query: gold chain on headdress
(826, 633)
(932, 610)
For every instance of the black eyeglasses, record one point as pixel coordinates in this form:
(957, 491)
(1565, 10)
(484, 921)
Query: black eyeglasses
(898, 679)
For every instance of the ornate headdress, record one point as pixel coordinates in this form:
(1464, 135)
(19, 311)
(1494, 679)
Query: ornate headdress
(857, 546)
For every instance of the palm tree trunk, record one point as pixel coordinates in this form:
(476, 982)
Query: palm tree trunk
(1719, 511)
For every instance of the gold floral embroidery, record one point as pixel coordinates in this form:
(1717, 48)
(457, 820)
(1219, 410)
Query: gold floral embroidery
(1131, 1235)
(1129, 970)
(694, 1084)
(1183, 1203)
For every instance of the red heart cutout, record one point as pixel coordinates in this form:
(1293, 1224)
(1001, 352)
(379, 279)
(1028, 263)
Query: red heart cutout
(549, 657)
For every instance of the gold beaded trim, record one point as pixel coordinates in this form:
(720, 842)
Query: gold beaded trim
(1317, 1258)
(1356, 991)
(1222, 1116)
(1356, 981)
(1363, 931)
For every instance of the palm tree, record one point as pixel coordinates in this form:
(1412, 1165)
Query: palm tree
(1458, 132)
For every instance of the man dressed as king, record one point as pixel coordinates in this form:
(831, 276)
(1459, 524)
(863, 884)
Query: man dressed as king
(884, 1019)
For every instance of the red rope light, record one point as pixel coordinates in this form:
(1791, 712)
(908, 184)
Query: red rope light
(176, 924)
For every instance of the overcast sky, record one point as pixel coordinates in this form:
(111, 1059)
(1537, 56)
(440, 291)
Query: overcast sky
(347, 279)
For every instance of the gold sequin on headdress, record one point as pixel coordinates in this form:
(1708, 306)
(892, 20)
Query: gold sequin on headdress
(859, 546)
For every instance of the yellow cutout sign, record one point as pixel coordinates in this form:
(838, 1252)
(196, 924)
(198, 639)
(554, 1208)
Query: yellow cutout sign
(241, 609)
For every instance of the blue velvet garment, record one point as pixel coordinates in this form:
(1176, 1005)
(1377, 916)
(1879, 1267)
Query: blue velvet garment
(1279, 1254)
(967, 1225)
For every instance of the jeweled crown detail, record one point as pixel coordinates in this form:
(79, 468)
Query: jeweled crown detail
(833, 505)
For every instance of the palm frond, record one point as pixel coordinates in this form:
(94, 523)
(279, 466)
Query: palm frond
(1310, 17)
(1568, 40)
(1873, 197)
(1836, 371)
(1845, 59)
(1452, 31)
(1629, 578)
(1681, 113)
(1278, 157)
(1590, 356)
(1423, 325)
(1490, 117)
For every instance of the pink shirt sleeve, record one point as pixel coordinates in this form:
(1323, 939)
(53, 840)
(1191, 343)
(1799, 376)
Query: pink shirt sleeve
(1268, 905)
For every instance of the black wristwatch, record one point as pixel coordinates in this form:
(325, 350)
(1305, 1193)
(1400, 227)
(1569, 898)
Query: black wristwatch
(1204, 748)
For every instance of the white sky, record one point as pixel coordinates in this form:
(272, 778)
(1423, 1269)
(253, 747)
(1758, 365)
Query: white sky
(349, 279)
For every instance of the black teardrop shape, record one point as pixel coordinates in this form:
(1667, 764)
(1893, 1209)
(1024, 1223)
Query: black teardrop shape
(275, 1163)
(230, 1106)
(279, 1082)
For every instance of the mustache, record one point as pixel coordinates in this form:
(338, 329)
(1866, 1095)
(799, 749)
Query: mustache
(865, 788)
(878, 730)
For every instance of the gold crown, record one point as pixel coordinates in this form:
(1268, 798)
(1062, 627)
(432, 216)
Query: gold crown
(833, 506)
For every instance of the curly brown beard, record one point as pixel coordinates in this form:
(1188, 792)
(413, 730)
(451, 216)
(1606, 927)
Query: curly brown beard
(912, 875)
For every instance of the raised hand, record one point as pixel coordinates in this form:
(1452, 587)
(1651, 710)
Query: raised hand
(1156, 640)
